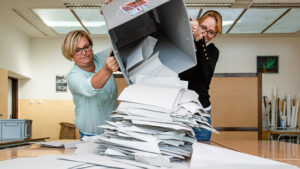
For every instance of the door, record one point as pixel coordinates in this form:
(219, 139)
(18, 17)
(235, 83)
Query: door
(9, 99)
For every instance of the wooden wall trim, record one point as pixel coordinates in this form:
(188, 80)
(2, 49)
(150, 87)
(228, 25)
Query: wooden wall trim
(118, 75)
(236, 128)
(235, 74)
(15, 98)
(259, 105)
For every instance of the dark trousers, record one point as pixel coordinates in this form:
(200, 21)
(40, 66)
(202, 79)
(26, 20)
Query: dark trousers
(82, 135)
(203, 134)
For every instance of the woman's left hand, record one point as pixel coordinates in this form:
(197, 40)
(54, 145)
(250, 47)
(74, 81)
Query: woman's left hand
(196, 30)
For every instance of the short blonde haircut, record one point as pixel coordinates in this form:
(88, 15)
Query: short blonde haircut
(216, 15)
(70, 42)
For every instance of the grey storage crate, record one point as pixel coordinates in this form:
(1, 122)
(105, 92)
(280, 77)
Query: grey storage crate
(15, 129)
(165, 20)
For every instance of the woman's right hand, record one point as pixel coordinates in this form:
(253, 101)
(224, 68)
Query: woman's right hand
(111, 64)
(196, 30)
(105, 2)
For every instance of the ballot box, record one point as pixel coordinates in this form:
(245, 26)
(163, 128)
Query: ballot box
(133, 25)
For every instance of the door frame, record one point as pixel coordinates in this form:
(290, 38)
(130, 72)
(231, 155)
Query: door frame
(14, 92)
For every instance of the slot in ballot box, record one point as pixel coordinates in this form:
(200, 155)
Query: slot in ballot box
(129, 22)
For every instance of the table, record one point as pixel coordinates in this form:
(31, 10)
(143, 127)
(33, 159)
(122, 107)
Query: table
(270, 149)
(274, 150)
(13, 143)
(33, 150)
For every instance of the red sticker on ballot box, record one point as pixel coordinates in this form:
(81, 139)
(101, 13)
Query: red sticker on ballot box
(135, 7)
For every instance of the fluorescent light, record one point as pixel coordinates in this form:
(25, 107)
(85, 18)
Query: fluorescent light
(227, 23)
(62, 23)
(93, 24)
(73, 24)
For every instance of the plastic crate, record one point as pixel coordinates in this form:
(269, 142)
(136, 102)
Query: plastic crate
(15, 129)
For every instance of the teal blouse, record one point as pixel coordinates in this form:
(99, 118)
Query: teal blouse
(92, 106)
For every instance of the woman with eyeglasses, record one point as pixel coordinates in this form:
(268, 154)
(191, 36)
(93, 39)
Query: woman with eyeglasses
(90, 82)
(199, 77)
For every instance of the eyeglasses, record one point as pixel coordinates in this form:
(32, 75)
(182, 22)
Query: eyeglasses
(210, 33)
(86, 48)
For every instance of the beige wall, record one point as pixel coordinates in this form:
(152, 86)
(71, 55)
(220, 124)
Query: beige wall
(47, 62)
(3, 93)
(15, 50)
(46, 115)
(238, 55)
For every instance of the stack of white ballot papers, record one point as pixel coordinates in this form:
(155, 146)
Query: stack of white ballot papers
(155, 119)
(153, 123)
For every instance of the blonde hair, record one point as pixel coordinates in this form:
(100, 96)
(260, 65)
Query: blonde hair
(216, 15)
(70, 42)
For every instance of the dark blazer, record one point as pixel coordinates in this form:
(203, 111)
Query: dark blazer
(199, 76)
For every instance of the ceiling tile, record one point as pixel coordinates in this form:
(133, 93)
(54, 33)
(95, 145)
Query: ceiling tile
(92, 20)
(60, 20)
(256, 20)
(193, 12)
(287, 24)
(228, 16)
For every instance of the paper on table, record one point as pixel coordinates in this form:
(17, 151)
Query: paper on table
(143, 146)
(58, 144)
(73, 144)
(147, 113)
(134, 163)
(52, 144)
(165, 125)
(143, 130)
(139, 136)
(162, 81)
(208, 156)
(98, 160)
(146, 94)
(157, 160)
(86, 148)
(90, 138)
(112, 152)
(191, 107)
(44, 162)
(149, 110)
(129, 105)
(190, 96)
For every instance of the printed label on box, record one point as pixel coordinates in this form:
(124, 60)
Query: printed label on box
(135, 7)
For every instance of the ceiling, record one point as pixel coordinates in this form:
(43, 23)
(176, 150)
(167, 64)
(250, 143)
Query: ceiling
(51, 18)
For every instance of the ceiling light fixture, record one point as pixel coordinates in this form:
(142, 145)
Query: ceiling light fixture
(82, 5)
(208, 5)
(275, 5)
(224, 23)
